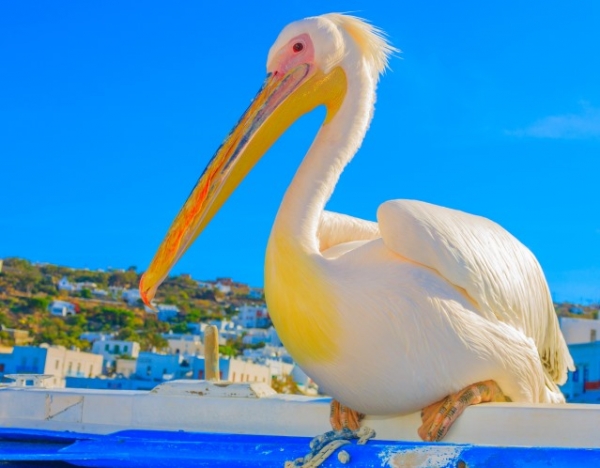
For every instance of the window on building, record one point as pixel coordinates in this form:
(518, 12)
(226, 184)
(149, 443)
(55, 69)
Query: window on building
(106, 347)
(575, 376)
(593, 335)
(148, 370)
(56, 364)
(1, 367)
(233, 377)
(78, 367)
(69, 368)
(91, 370)
(201, 374)
(125, 348)
(117, 349)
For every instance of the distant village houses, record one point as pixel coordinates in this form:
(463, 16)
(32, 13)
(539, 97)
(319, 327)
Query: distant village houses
(583, 338)
(111, 350)
(228, 330)
(62, 308)
(52, 360)
(184, 344)
(131, 296)
(166, 312)
(65, 285)
(251, 316)
(221, 284)
(121, 364)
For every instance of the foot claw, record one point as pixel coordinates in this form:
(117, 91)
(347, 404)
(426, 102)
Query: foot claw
(438, 417)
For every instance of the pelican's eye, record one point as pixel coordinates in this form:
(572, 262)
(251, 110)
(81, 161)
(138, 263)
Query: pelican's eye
(298, 46)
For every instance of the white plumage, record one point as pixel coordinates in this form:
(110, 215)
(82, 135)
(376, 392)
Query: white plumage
(423, 303)
(439, 300)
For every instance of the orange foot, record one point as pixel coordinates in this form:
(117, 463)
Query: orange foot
(438, 417)
(342, 417)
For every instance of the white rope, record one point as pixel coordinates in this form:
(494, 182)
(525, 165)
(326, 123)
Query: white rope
(324, 445)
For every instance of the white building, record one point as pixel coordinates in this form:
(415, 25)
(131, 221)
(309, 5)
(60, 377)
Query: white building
(251, 316)
(166, 312)
(186, 344)
(52, 360)
(278, 367)
(153, 369)
(228, 330)
(268, 352)
(65, 285)
(125, 367)
(110, 350)
(131, 296)
(62, 308)
(222, 284)
(85, 285)
(224, 288)
(578, 331)
(234, 370)
(102, 293)
(95, 336)
(160, 367)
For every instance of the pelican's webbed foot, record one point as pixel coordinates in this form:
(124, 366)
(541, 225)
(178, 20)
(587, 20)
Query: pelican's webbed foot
(438, 417)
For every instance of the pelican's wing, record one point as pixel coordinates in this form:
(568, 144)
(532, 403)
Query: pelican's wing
(483, 260)
(336, 229)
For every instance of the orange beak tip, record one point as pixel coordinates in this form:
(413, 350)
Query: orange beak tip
(147, 294)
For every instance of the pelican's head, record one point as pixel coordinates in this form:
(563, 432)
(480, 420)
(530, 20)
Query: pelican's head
(306, 67)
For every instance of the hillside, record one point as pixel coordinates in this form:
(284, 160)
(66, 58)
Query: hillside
(26, 290)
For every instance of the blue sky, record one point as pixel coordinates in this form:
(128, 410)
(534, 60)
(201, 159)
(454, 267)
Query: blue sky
(109, 111)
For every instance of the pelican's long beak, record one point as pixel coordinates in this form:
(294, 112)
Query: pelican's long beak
(281, 101)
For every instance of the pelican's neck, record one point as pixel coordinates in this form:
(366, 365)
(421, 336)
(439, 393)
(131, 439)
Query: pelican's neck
(334, 146)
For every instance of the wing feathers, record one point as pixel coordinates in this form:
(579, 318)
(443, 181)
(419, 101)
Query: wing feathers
(477, 255)
(336, 228)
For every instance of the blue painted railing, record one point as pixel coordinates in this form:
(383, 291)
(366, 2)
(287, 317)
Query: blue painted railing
(182, 449)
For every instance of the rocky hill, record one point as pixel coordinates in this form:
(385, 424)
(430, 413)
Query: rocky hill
(27, 289)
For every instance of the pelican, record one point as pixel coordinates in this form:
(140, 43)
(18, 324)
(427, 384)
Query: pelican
(429, 308)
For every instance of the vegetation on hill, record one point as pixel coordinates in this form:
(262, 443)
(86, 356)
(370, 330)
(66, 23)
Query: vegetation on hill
(26, 291)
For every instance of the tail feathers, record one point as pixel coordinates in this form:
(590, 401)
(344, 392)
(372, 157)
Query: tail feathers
(552, 393)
